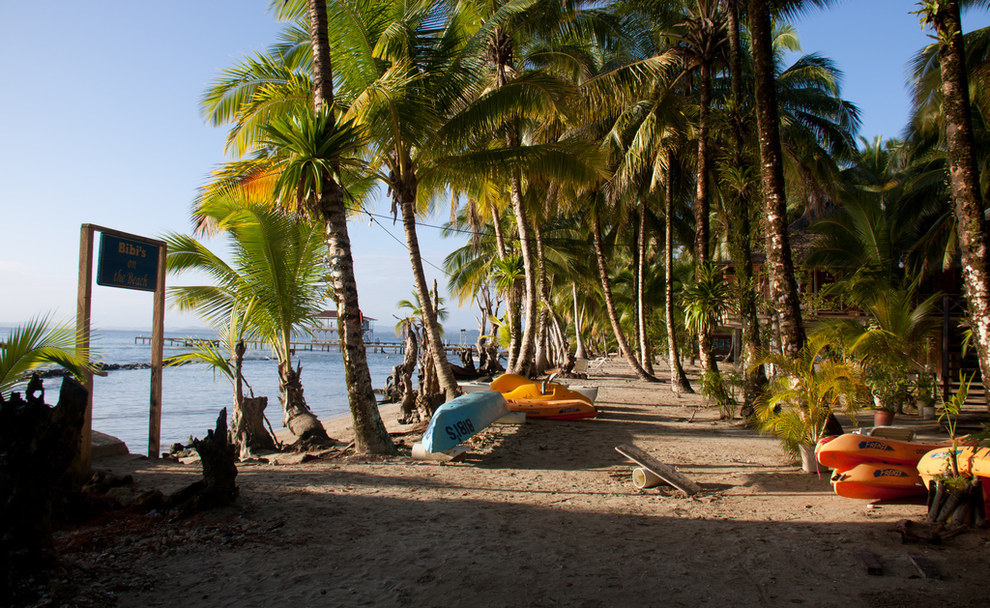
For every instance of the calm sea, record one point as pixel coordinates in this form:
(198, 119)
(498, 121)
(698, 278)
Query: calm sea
(192, 396)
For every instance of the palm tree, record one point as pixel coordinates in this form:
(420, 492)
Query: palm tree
(702, 41)
(276, 282)
(301, 158)
(39, 342)
(780, 266)
(226, 357)
(799, 402)
(515, 97)
(943, 16)
(404, 75)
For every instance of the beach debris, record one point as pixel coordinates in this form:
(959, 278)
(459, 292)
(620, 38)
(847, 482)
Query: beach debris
(926, 567)
(665, 472)
(871, 562)
(217, 488)
(454, 453)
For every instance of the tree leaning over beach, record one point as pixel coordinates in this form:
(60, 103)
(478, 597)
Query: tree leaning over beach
(281, 110)
(405, 74)
(313, 169)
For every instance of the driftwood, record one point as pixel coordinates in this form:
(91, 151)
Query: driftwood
(217, 488)
(38, 445)
(402, 378)
(488, 364)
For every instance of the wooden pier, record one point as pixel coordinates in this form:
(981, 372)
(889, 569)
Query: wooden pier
(297, 346)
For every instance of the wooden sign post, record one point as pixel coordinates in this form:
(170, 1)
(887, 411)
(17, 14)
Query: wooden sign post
(126, 261)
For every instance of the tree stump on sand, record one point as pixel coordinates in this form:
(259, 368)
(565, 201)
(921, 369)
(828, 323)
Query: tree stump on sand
(247, 420)
(217, 488)
(38, 445)
(247, 426)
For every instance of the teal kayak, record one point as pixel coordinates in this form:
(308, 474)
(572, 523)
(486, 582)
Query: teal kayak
(460, 418)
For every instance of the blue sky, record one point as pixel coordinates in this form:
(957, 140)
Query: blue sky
(100, 123)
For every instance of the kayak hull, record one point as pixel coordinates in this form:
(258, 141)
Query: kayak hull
(508, 382)
(516, 387)
(851, 449)
(972, 461)
(549, 392)
(567, 409)
(461, 418)
(878, 481)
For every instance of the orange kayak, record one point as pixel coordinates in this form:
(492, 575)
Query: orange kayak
(878, 481)
(550, 391)
(564, 409)
(972, 461)
(851, 449)
(508, 382)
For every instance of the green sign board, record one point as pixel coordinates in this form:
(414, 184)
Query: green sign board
(127, 263)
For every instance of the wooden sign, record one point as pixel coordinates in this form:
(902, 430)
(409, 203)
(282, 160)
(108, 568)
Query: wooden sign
(127, 263)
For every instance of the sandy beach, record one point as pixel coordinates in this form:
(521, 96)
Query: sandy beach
(541, 514)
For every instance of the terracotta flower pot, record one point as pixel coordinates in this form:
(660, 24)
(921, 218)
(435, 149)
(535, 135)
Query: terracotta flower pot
(883, 417)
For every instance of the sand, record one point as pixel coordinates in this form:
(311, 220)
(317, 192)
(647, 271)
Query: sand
(542, 514)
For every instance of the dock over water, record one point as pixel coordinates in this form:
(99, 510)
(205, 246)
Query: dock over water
(326, 345)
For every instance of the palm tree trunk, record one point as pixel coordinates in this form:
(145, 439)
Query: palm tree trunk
(541, 358)
(613, 315)
(298, 417)
(702, 208)
(579, 350)
(524, 362)
(405, 193)
(780, 266)
(370, 434)
(322, 71)
(963, 174)
(678, 380)
(247, 419)
(645, 352)
(512, 297)
(739, 236)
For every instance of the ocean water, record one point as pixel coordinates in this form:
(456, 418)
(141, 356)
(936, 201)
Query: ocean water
(192, 396)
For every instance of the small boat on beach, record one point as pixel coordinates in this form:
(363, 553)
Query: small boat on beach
(878, 481)
(846, 451)
(460, 418)
(473, 387)
(544, 391)
(565, 409)
(508, 382)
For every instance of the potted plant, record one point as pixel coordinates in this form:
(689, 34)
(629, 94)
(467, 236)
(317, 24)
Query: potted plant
(892, 347)
(892, 387)
(798, 403)
(924, 390)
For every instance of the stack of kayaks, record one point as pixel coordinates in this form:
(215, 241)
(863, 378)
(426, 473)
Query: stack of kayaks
(873, 468)
(548, 400)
